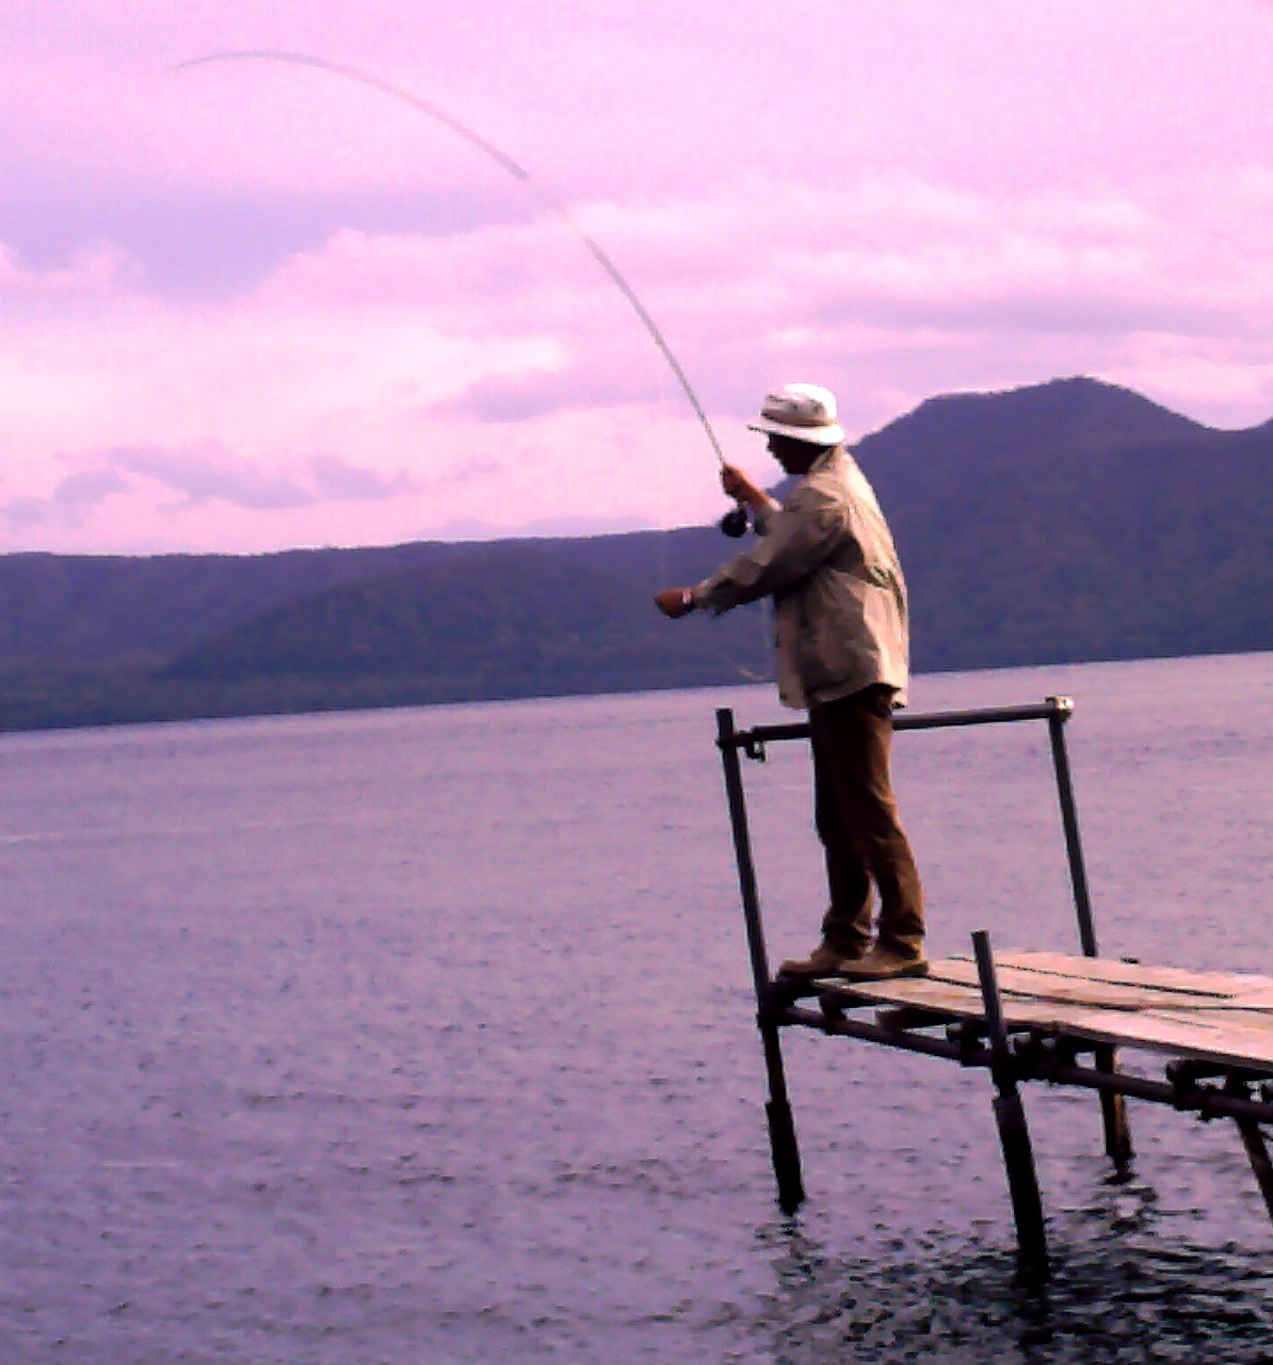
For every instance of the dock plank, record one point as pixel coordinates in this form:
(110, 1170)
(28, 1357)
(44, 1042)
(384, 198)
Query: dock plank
(1091, 990)
(1244, 985)
(1209, 1016)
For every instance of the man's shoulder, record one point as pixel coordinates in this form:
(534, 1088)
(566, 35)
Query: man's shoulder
(835, 492)
(833, 479)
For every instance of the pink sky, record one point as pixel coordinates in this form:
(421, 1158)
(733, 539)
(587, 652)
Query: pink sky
(253, 306)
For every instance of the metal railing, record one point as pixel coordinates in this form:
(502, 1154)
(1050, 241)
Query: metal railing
(773, 1012)
(752, 742)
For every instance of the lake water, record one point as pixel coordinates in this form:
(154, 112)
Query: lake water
(426, 1036)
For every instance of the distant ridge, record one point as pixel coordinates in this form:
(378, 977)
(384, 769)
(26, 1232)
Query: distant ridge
(1076, 520)
(1067, 521)
(1061, 407)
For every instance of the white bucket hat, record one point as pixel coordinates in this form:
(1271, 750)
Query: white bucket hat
(804, 412)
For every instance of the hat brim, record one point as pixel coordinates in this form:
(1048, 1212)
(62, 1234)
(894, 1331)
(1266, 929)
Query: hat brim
(832, 435)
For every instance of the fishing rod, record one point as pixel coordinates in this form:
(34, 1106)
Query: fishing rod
(733, 523)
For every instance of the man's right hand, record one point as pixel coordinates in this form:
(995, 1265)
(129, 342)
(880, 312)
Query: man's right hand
(739, 487)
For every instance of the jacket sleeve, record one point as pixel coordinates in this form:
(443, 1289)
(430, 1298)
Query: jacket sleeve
(762, 517)
(797, 539)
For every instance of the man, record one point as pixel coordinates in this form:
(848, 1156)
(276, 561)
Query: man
(826, 557)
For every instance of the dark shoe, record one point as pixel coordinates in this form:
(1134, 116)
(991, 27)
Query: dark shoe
(881, 963)
(823, 961)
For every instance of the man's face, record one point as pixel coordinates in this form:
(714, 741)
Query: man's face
(794, 456)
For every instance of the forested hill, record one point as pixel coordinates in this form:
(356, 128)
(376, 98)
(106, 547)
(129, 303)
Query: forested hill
(1075, 521)
(1067, 521)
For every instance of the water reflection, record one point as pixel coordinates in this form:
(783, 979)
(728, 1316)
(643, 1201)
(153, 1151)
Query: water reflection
(1120, 1291)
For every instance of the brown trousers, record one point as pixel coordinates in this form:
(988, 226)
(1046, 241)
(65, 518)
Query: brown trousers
(857, 820)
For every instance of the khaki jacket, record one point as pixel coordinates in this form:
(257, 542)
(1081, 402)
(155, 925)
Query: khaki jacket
(827, 559)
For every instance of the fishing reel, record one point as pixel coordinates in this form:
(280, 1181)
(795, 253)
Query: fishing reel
(735, 522)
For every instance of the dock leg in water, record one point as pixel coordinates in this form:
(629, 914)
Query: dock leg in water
(1118, 1133)
(1014, 1133)
(782, 1129)
(1257, 1152)
(783, 1148)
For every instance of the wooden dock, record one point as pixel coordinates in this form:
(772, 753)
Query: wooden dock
(1202, 1040)
(1221, 1018)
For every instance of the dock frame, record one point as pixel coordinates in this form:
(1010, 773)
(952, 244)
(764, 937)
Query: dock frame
(1013, 1045)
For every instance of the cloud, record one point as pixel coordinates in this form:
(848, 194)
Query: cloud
(200, 476)
(253, 296)
(337, 479)
(203, 474)
(476, 469)
(451, 380)
(74, 498)
(507, 400)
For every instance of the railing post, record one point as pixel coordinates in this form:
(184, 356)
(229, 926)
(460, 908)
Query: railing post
(1062, 708)
(784, 1149)
(1114, 1123)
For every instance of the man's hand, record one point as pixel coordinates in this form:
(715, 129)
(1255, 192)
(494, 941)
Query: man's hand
(739, 487)
(674, 602)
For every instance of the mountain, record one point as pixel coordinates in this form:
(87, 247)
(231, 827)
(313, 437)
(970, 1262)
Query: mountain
(1067, 521)
(1073, 521)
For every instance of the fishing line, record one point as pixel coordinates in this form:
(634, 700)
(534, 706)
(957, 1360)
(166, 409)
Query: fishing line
(734, 523)
(517, 171)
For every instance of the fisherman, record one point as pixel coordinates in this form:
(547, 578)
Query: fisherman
(826, 557)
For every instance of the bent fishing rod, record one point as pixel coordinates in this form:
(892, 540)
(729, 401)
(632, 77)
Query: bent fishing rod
(733, 523)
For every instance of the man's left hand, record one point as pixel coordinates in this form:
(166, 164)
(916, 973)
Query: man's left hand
(674, 602)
